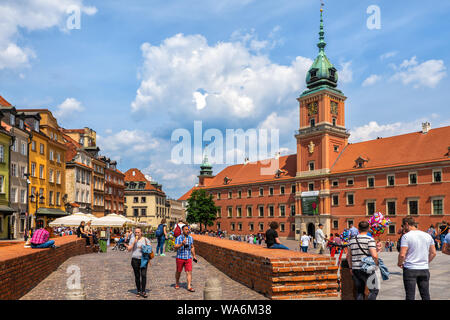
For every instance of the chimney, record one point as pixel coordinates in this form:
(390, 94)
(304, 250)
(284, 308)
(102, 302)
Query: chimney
(426, 126)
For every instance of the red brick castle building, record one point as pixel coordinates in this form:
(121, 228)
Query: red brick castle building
(331, 181)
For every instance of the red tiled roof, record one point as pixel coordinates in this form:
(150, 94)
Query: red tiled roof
(186, 196)
(4, 103)
(411, 148)
(140, 177)
(256, 172)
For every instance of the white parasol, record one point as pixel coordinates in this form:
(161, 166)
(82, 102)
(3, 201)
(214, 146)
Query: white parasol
(112, 220)
(72, 220)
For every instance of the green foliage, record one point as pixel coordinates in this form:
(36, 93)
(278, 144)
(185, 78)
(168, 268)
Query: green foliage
(201, 209)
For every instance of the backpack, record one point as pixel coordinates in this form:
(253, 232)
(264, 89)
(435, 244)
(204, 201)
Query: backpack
(177, 231)
(160, 231)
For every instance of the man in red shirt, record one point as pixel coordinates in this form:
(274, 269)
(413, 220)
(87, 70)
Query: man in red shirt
(39, 240)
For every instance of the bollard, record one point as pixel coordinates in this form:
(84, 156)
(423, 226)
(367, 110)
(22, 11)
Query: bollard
(213, 290)
(76, 294)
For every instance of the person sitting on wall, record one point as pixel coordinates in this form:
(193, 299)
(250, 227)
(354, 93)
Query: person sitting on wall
(272, 240)
(39, 240)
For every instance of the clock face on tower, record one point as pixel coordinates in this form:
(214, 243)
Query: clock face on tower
(312, 108)
(334, 107)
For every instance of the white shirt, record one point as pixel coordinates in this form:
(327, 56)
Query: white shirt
(320, 236)
(305, 241)
(418, 243)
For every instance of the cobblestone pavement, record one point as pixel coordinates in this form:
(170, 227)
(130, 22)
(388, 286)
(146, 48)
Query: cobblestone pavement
(109, 276)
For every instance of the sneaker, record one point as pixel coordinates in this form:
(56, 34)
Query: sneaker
(163, 255)
(157, 254)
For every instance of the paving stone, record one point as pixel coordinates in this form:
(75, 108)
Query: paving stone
(109, 276)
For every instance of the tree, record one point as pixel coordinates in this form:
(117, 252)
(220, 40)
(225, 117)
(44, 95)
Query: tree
(201, 209)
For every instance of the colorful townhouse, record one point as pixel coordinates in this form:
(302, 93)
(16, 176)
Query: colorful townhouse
(14, 123)
(46, 168)
(6, 212)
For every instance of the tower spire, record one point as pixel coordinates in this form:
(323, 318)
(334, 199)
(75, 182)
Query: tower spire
(322, 42)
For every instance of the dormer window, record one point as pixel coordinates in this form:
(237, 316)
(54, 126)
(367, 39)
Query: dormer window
(313, 73)
(332, 73)
(360, 162)
(12, 119)
(36, 126)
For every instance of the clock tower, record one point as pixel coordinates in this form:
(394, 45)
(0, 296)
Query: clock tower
(320, 139)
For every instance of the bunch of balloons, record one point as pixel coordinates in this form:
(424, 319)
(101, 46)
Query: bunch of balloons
(345, 236)
(378, 224)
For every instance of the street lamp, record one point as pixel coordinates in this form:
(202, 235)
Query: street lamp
(41, 198)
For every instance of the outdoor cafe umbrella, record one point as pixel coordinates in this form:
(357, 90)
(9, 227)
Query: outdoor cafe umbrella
(72, 220)
(112, 220)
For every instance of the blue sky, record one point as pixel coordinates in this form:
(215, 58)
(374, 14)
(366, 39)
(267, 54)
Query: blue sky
(133, 70)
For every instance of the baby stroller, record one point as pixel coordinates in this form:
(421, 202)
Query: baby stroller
(120, 245)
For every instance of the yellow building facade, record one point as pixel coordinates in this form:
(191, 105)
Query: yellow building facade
(46, 167)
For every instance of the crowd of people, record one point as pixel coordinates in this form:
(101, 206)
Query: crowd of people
(416, 250)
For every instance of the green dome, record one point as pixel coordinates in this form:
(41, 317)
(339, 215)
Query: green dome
(322, 72)
(206, 167)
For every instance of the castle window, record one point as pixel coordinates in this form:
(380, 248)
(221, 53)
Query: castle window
(391, 180)
(350, 199)
(412, 178)
(312, 122)
(350, 182)
(335, 198)
(311, 186)
(370, 182)
(391, 207)
(370, 207)
(311, 165)
(334, 122)
(335, 183)
(437, 175)
(413, 206)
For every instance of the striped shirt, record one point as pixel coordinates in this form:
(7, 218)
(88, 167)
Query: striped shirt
(366, 243)
(40, 236)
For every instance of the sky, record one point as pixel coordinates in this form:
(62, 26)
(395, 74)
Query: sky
(140, 72)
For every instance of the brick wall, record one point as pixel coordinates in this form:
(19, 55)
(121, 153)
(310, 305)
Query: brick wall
(278, 274)
(21, 269)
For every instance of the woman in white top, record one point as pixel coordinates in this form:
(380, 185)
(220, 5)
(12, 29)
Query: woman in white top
(140, 274)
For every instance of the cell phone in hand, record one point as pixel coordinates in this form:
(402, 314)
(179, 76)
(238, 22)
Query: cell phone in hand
(195, 260)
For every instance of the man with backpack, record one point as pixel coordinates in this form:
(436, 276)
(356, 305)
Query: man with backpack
(161, 235)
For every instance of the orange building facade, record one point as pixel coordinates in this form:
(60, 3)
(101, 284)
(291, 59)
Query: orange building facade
(331, 181)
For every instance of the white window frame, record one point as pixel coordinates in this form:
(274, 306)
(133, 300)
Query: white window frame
(332, 200)
(387, 180)
(409, 178)
(440, 171)
(353, 182)
(238, 212)
(229, 212)
(387, 207)
(284, 192)
(261, 194)
(374, 206)
(259, 211)
(346, 198)
(395, 229)
(251, 211)
(13, 195)
(370, 177)
(313, 163)
(284, 206)
(408, 200)
(332, 183)
(432, 205)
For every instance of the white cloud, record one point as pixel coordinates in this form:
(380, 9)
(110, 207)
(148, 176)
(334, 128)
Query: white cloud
(239, 84)
(30, 15)
(372, 130)
(127, 143)
(346, 73)
(388, 55)
(425, 74)
(371, 80)
(68, 108)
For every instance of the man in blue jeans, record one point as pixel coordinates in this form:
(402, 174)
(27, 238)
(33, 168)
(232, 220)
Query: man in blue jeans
(417, 250)
(272, 240)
